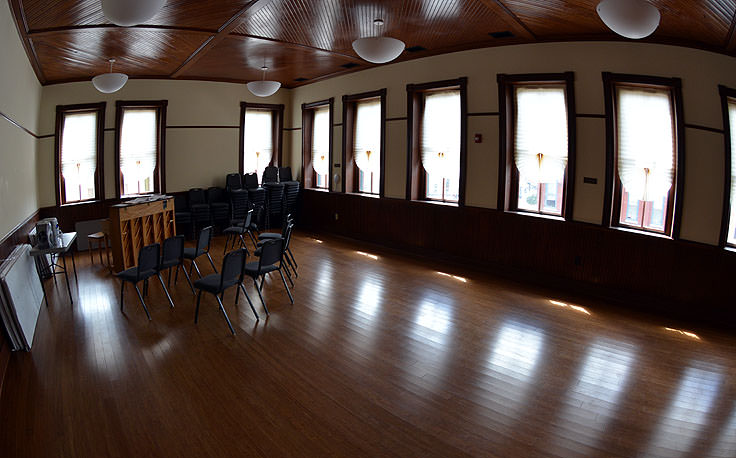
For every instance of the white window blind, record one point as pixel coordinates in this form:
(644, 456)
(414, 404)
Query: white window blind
(646, 147)
(79, 155)
(367, 140)
(257, 140)
(138, 149)
(321, 141)
(440, 134)
(732, 121)
(540, 149)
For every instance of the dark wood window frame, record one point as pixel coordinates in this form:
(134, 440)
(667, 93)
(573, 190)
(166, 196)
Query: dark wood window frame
(62, 110)
(612, 202)
(350, 172)
(277, 112)
(159, 173)
(308, 177)
(726, 94)
(415, 178)
(508, 174)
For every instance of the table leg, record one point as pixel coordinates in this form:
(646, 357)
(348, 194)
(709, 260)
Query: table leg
(40, 278)
(74, 265)
(66, 276)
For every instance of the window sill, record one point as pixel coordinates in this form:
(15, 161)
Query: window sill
(438, 202)
(79, 204)
(317, 189)
(362, 194)
(640, 232)
(730, 248)
(536, 215)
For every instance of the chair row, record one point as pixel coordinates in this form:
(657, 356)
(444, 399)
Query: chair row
(152, 261)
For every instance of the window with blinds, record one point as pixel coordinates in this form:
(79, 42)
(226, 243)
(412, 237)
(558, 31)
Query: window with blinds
(731, 237)
(78, 156)
(645, 159)
(367, 145)
(321, 146)
(138, 150)
(540, 147)
(440, 144)
(258, 134)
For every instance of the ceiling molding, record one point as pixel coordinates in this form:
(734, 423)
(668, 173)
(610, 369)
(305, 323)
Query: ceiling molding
(51, 31)
(224, 31)
(292, 45)
(730, 45)
(16, 8)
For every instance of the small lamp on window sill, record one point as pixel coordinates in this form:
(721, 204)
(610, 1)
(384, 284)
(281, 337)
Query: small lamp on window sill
(108, 83)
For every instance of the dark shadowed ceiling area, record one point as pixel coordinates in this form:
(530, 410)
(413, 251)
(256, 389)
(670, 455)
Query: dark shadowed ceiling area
(302, 41)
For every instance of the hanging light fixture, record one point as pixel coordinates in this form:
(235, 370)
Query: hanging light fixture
(629, 18)
(263, 88)
(109, 82)
(130, 12)
(378, 50)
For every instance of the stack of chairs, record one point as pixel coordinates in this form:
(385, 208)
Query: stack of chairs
(199, 207)
(274, 203)
(184, 221)
(270, 175)
(256, 197)
(291, 190)
(219, 207)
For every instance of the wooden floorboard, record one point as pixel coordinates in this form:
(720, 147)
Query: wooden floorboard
(380, 355)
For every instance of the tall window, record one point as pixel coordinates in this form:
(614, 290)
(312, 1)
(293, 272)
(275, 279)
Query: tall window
(317, 144)
(79, 146)
(646, 151)
(728, 231)
(364, 119)
(140, 146)
(537, 140)
(437, 126)
(261, 127)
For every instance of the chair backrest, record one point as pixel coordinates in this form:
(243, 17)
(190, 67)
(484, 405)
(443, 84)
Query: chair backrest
(197, 196)
(180, 203)
(148, 260)
(232, 268)
(248, 218)
(203, 241)
(284, 173)
(270, 174)
(250, 180)
(233, 181)
(287, 234)
(271, 252)
(172, 249)
(215, 194)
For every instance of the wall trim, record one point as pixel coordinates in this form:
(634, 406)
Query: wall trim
(705, 128)
(18, 125)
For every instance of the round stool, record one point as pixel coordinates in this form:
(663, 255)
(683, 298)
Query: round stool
(101, 239)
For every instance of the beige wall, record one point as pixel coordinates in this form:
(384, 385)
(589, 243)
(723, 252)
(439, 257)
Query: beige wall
(20, 95)
(701, 72)
(195, 157)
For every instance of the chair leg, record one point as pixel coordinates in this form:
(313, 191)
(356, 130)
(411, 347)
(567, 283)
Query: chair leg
(288, 250)
(142, 301)
(288, 273)
(261, 296)
(291, 298)
(122, 292)
(168, 282)
(91, 257)
(194, 264)
(222, 309)
(186, 275)
(242, 242)
(227, 240)
(196, 310)
(252, 239)
(240, 286)
(288, 261)
(211, 262)
(161, 280)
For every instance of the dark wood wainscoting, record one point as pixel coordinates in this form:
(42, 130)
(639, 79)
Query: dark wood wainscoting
(680, 280)
(18, 236)
(70, 215)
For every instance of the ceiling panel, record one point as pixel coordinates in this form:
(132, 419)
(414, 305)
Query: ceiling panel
(706, 22)
(79, 54)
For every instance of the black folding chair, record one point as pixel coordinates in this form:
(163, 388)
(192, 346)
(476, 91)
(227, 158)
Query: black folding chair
(172, 255)
(148, 266)
(287, 239)
(203, 247)
(237, 230)
(269, 261)
(216, 284)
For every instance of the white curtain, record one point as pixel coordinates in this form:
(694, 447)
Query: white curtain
(732, 119)
(440, 145)
(321, 141)
(540, 151)
(646, 149)
(79, 155)
(138, 149)
(257, 140)
(367, 139)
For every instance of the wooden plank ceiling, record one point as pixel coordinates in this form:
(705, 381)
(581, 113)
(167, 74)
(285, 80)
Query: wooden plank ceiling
(302, 41)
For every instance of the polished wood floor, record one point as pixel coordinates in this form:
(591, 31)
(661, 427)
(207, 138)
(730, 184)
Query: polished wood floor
(380, 355)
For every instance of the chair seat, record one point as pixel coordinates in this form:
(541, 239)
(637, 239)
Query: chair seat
(235, 230)
(270, 235)
(210, 283)
(191, 253)
(167, 264)
(131, 275)
(251, 269)
(96, 235)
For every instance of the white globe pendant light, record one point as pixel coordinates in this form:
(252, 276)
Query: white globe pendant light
(378, 50)
(263, 88)
(130, 12)
(629, 18)
(109, 82)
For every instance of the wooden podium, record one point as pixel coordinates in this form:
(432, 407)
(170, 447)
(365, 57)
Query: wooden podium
(135, 226)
